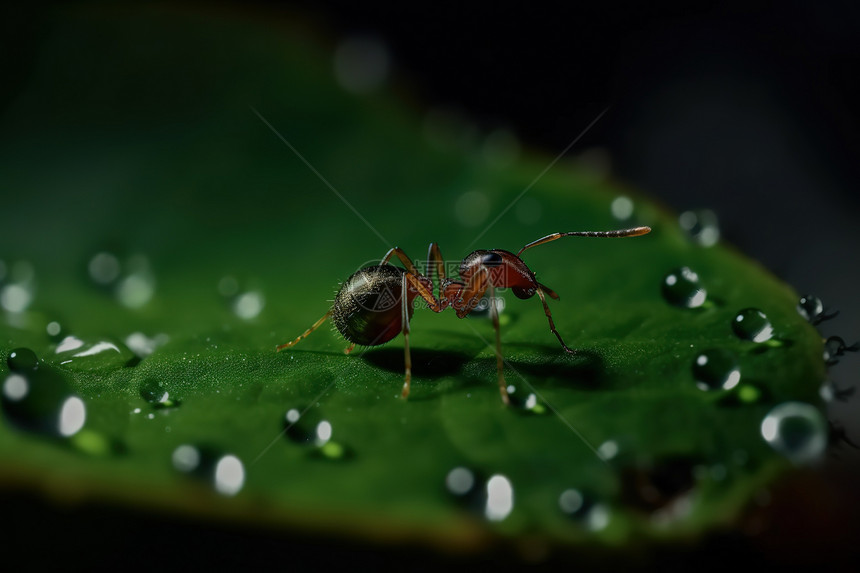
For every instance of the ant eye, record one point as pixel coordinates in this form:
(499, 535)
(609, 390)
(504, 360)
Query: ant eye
(491, 260)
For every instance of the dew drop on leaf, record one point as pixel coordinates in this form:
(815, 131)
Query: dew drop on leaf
(810, 307)
(716, 369)
(681, 287)
(796, 430)
(21, 360)
(752, 324)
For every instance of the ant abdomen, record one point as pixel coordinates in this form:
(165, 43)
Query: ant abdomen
(368, 307)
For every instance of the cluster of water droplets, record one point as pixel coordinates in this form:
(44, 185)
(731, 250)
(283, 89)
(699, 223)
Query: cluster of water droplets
(795, 430)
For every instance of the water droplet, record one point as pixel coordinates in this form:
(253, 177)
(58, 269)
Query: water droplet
(622, 208)
(361, 64)
(752, 324)
(608, 450)
(467, 487)
(681, 287)
(701, 226)
(55, 331)
(500, 498)
(76, 354)
(460, 481)
(810, 307)
(229, 475)
(834, 347)
(796, 430)
(22, 359)
(249, 304)
(472, 208)
(154, 392)
(104, 268)
(16, 297)
(307, 426)
(716, 369)
(40, 400)
(521, 399)
(223, 471)
(583, 509)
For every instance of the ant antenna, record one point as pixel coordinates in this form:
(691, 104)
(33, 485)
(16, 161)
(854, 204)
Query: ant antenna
(634, 232)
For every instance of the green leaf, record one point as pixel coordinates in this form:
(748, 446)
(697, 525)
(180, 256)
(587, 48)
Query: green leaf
(186, 193)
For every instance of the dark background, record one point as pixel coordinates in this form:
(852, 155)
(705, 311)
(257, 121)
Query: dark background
(751, 109)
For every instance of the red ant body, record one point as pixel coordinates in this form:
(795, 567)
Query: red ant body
(376, 303)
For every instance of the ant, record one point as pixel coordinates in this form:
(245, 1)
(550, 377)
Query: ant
(376, 303)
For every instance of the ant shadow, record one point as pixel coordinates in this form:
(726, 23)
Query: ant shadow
(552, 368)
(425, 363)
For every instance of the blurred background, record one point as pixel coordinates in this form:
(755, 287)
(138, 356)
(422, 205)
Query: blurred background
(750, 109)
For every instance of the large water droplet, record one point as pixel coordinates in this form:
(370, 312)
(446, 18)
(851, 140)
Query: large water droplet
(16, 297)
(223, 471)
(622, 208)
(752, 324)
(21, 360)
(796, 430)
(248, 304)
(701, 226)
(76, 354)
(40, 400)
(681, 287)
(500, 498)
(716, 369)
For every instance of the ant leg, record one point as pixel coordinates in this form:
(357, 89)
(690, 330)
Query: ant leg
(407, 357)
(423, 292)
(494, 313)
(472, 292)
(308, 331)
(551, 323)
(407, 262)
(435, 262)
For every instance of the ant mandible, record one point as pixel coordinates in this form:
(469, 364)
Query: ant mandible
(376, 303)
